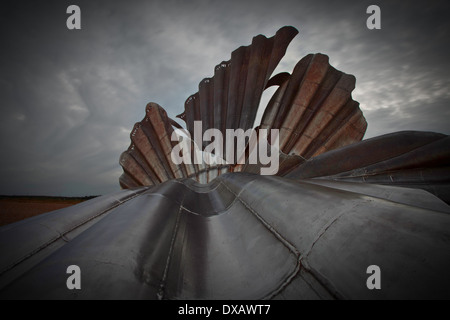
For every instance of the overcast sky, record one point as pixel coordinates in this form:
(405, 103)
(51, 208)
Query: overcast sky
(69, 98)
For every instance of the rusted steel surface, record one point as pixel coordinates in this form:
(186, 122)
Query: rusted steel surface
(230, 99)
(148, 160)
(313, 109)
(409, 158)
(198, 231)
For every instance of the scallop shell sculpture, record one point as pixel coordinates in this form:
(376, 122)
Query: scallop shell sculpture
(336, 205)
(313, 109)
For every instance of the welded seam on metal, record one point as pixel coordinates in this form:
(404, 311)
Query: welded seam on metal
(280, 238)
(395, 184)
(162, 286)
(215, 213)
(61, 235)
(369, 197)
(387, 173)
(301, 263)
(285, 242)
(351, 172)
(193, 212)
(316, 274)
(207, 169)
(323, 281)
(182, 182)
(323, 231)
(180, 203)
(310, 285)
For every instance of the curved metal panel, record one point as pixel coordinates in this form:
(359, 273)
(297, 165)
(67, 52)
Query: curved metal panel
(313, 109)
(230, 99)
(409, 158)
(244, 236)
(25, 243)
(210, 232)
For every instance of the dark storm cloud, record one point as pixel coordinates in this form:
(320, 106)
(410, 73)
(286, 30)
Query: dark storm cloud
(70, 98)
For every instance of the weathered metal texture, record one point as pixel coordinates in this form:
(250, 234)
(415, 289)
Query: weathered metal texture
(242, 236)
(25, 243)
(286, 162)
(409, 158)
(211, 232)
(230, 99)
(313, 108)
(147, 161)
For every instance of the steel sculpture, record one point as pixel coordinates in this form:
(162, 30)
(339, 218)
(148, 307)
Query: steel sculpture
(336, 206)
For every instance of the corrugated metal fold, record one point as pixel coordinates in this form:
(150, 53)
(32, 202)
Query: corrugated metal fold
(313, 109)
(409, 158)
(242, 236)
(147, 161)
(230, 99)
(222, 231)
